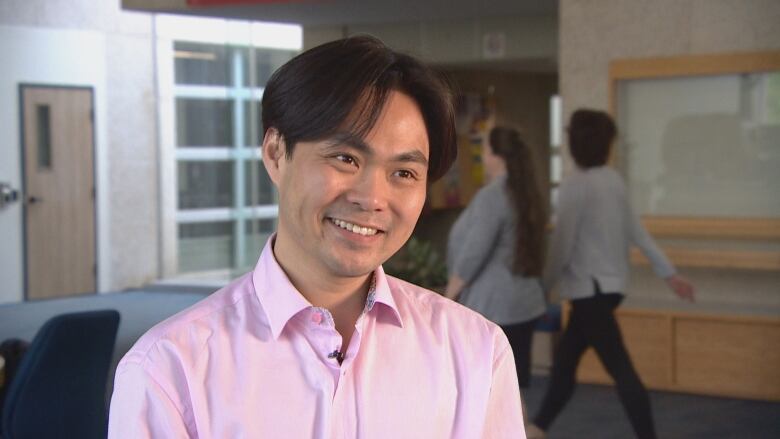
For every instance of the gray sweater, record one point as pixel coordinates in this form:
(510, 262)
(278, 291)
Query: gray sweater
(481, 251)
(594, 230)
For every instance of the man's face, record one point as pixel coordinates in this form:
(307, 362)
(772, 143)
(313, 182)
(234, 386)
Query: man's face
(346, 206)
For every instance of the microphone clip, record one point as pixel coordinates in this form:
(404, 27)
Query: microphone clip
(338, 355)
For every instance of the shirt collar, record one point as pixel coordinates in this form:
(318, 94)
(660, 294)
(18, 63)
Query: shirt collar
(281, 301)
(383, 294)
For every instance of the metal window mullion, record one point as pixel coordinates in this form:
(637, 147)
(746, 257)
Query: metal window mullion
(214, 153)
(220, 214)
(251, 91)
(246, 93)
(202, 91)
(168, 200)
(265, 211)
(239, 228)
(204, 215)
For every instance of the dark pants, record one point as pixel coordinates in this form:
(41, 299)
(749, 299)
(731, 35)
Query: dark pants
(592, 323)
(519, 336)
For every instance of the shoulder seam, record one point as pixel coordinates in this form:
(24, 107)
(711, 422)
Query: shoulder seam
(145, 354)
(143, 365)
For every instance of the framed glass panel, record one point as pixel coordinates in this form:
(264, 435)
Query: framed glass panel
(201, 64)
(704, 146)
(43, 125)
(205, 184)
(257, 233)
(216, 87)
(204, 122)
(259, 188)
(253, 125)
(205, 246)
(267, 61)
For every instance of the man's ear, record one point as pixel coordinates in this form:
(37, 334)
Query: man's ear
(273, 150)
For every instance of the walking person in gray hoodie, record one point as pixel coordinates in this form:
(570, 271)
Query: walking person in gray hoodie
(589, 260)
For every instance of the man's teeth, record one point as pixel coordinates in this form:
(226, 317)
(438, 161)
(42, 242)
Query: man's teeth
(365, 231)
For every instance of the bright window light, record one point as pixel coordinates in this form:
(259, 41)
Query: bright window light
(556, 126)
(233, 32)
(277, 36)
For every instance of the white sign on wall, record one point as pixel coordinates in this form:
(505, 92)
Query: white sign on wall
(494, 45)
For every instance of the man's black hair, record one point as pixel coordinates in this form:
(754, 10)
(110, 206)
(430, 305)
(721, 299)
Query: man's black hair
(343, 86)
(591, 133)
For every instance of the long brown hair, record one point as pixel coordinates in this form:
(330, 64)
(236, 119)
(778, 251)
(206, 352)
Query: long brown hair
(526, 197)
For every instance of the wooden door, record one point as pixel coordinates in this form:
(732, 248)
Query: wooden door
(59, 191)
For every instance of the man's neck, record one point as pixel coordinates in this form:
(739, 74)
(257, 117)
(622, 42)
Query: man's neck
(343, 297)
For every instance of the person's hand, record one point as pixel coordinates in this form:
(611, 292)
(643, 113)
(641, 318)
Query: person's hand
(681, 287)
(454, 287)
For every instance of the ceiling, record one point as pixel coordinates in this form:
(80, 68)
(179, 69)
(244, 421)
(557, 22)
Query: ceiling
(352, 12)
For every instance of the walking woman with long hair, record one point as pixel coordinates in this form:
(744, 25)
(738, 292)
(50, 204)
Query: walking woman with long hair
(495, 253)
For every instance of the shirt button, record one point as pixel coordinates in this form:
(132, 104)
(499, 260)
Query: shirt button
(316, 318)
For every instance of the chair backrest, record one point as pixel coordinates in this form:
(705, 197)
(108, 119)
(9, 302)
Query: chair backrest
(60, 386)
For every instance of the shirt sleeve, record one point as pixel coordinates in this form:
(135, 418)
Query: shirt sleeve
(483, 229)
(504, 417)
(564, 234)
(141, 408)
(642, 239)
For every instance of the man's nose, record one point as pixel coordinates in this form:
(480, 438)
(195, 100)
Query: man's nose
(370, 192)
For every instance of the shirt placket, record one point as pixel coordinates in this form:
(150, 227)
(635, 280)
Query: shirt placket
(343, 419)
(327, 340)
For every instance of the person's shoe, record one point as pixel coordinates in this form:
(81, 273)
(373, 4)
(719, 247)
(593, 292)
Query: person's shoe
(534, 432)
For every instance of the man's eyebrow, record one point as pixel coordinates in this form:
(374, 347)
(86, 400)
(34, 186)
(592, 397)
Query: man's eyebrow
(353, 141)
(348, 139)
(415, 156)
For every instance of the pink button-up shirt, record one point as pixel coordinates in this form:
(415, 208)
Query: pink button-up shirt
(256, 359)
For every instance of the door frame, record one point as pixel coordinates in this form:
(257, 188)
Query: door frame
(23, 183)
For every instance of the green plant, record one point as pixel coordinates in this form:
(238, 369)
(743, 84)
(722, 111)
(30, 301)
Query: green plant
(419, 263)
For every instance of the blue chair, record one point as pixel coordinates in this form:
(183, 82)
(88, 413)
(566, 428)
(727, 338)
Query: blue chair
(551, 320)
(59, 389)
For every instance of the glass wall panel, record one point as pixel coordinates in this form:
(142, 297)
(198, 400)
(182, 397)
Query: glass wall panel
(257, 233)
(259, 188)
(205, 246)
(267, 61)
(224, 193)
(205, 184)
(204, 122)
(253, 124)
(706, 146)
(201, 64)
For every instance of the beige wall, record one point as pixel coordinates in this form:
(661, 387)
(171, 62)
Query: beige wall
(530, 40)
(595, 32)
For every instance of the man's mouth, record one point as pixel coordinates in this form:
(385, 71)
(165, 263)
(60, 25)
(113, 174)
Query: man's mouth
(355, 228)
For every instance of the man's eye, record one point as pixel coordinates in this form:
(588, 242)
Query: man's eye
(405, 174)
(348, 159)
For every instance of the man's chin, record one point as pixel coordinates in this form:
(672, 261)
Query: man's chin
(355, 267)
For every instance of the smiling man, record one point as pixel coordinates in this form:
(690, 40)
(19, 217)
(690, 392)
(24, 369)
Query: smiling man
(317, 342)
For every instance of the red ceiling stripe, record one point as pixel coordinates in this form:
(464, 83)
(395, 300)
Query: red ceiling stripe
(240, 2)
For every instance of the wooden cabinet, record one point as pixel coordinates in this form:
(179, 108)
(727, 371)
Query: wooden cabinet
(710, 354)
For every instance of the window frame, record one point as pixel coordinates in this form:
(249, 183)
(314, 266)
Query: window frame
(237, 36)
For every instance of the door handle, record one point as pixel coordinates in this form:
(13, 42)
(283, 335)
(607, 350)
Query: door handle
(33, 200)
(7, 194)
